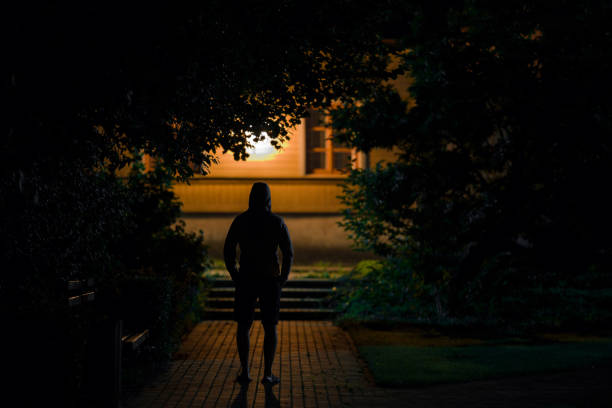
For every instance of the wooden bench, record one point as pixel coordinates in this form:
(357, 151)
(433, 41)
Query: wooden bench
(80, 292)
(104, 361)
(133, 341)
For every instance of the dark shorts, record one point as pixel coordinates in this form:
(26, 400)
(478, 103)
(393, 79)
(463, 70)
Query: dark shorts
(245, 298)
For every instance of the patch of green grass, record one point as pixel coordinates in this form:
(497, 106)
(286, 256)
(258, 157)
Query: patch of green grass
(328, 264)
(409, 355)
(217, 263)
(319, 270)
(217, 274)
(319, 274)
(410, 366)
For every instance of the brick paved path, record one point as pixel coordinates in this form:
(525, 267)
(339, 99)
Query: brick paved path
(315, 361)
(318, 367)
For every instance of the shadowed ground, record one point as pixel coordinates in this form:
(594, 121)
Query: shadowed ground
(318, 367)
(315, 360)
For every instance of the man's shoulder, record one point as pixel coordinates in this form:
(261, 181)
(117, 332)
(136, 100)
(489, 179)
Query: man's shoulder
(274, 219)
(277, 218)
(242, 215)
(241, 218)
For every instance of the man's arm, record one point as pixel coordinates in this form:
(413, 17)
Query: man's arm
(287, 251)
(229, 251)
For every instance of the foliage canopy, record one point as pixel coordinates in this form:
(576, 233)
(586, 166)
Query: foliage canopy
(503, 152)
(90, 89)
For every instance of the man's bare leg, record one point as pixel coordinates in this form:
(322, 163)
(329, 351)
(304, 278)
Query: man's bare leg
(242, 340)
(270, 340)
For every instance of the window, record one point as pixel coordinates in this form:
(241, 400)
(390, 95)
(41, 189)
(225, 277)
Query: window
(323, 154)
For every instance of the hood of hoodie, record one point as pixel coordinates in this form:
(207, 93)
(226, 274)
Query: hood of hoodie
(260, 198)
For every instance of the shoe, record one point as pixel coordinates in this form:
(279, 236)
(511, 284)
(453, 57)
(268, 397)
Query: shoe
(271, 380)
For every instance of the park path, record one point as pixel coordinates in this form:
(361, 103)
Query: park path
(315, 360)
(319, 367)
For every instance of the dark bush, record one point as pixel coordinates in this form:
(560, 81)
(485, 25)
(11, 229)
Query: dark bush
(502, 136)
(161, 263)
(392, 290)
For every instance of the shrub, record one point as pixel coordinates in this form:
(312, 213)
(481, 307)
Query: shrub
(162, 264)
(384, 290)
(496, 189)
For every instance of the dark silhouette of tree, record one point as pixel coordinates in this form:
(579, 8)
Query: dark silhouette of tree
(90, 88)
(503, 152)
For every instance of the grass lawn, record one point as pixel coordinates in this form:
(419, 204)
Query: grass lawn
(319, 270)
(412, 357)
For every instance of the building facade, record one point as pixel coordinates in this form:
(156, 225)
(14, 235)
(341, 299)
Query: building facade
(304, 177)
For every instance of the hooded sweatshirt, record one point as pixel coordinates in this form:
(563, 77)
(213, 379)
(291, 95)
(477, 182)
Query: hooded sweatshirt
(259, 233)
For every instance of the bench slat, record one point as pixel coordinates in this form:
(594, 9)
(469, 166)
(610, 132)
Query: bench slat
(88, 296)
(74, 284)
(74, 301)
(135, 340)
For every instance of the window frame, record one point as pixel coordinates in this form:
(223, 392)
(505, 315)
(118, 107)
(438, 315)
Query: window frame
(329, 149)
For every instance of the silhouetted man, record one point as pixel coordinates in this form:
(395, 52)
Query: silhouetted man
(259, 233)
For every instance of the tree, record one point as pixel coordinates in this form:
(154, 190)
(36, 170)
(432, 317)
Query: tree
(498, 187)
(90, 88)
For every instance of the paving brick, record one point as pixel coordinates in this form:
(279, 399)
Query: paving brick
(309, 360)
(318, 366)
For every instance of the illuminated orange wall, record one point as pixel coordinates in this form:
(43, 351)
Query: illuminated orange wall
(308, 202)
(288, 162)
(288, 195)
